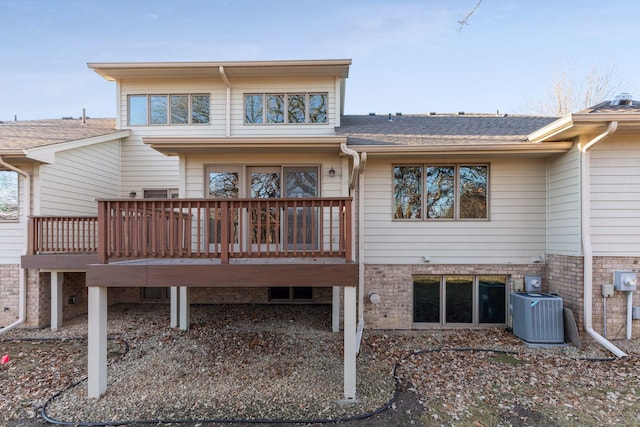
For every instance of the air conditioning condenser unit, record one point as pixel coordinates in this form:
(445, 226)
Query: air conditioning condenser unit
(537, 317)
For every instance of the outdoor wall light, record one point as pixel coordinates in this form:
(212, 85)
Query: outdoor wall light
(332, 172)
(132, 194)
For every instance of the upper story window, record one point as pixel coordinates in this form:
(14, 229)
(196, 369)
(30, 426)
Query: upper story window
(8, 196)
(283, 108)
(456, 192)
(182, 109)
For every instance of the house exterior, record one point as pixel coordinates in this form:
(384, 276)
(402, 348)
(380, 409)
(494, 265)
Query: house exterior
(236, 182)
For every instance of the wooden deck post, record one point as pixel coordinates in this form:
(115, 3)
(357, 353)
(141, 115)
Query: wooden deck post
(57, 279)
(174, 299)
(335, 309)
(97, 346)
(184, 312)
(350, 344)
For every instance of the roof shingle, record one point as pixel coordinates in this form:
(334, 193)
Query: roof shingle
(37, 133)
(438, 129)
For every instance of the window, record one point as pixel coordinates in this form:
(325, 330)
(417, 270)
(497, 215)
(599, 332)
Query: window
(171, 193)
(459, 300)
(279, 108)
(168, 109)
(8, 196)
(432, 192)
(291, 294)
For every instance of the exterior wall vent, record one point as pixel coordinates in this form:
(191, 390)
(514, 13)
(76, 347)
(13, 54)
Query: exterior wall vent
(622, 99)
(537, 317)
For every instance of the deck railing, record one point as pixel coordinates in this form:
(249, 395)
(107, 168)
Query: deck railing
(224, 228)
(63, 234)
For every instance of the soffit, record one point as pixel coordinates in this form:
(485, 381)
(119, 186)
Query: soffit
(574, 125)
(175, 146)
(195, 70)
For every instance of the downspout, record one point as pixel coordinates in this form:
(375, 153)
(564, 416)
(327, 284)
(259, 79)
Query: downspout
(22, 293)
(228, 85)
(357, 173)
(587, 249)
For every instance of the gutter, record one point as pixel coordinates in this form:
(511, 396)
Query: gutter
(587, 248)
(357, 173)
(228, 85)
(22, 295)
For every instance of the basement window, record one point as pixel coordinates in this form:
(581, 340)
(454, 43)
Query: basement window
(291, 294)
(458, 300)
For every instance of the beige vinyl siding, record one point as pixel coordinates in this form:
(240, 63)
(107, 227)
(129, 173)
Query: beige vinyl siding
(79, 176)
(143, 167)
(615, 197)
(564, 204)
(12, 233)
(515, 232)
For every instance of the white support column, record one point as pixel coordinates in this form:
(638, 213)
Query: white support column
(174, 301)
(97, 333)
(335, 310)
(184, 313)
(350, 344)
(57, 278)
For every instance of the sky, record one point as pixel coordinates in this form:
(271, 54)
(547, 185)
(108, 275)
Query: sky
(409, 56)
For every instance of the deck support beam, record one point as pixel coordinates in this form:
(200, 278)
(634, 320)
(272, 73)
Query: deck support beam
(57, 279)
(350, 344)
(184, 312)
(97, 345)
(335, 309)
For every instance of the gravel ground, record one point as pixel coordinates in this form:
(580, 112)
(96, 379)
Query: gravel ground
(282, 363)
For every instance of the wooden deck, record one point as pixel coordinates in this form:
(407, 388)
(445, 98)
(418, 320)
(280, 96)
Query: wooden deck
(202, 242)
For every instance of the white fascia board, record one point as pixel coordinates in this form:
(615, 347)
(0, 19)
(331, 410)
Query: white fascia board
(551, 129)
(47, 153)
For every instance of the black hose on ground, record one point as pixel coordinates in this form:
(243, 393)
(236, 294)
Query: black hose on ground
(377, 411)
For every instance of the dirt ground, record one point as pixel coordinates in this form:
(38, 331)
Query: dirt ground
(452, 383)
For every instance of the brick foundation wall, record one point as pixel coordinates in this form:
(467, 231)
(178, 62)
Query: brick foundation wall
(218, 295)
(565, 277)
(9, 293)
(73, 287)
(603, 272)
(394, 284)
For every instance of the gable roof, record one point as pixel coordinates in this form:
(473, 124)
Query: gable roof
(18, 138)
(443, 133)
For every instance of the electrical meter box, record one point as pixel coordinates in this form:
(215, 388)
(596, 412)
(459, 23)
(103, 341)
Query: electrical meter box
(625, 281)
(532, 283)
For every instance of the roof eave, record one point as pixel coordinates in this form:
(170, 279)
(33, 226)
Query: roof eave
(133, 70)
(176, 146)
(527, 148)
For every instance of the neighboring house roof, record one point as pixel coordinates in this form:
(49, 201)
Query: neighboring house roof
(398, 133)
(38, 133)
(39, 140)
